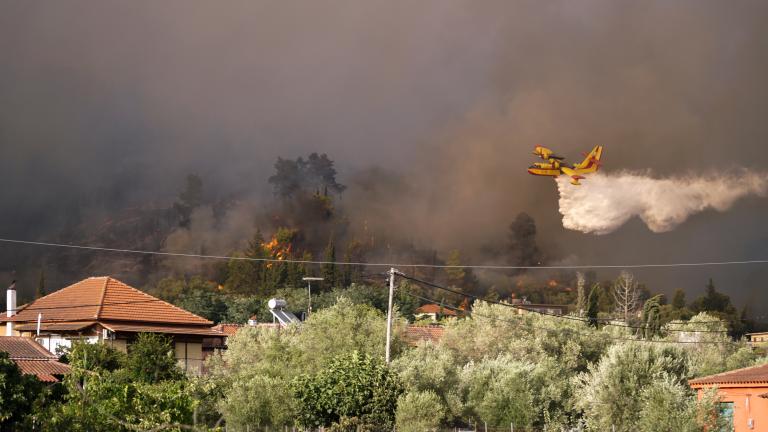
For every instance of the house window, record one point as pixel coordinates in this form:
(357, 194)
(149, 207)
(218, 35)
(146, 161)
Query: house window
(726, 416)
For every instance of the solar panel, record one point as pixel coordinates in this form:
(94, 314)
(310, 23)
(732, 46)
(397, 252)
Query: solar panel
(284, 317)
(276, 307)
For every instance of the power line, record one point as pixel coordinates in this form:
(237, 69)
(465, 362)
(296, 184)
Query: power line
(551, 330)
(417, 265)
(522, 307)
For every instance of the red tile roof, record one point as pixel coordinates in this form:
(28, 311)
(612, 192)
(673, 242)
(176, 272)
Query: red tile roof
(435, 309)
(104, 298)
(227, 328)
(44, 369)
(421, 333)
(32, 358)
(19, 347)
(750, 375)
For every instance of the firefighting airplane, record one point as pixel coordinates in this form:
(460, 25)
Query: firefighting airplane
(556, 166)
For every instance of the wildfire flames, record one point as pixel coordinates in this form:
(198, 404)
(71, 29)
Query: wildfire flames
(277, 250)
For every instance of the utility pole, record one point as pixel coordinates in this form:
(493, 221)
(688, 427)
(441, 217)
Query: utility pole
(309, 291)
(392, 272)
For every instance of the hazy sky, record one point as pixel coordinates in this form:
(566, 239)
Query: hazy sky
(128, 97)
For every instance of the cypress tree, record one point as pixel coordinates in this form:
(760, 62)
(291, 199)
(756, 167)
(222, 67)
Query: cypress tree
(652, 317)
(678, 300)
(329, 271)
(40, 292)
(581, 301)
(593, 305)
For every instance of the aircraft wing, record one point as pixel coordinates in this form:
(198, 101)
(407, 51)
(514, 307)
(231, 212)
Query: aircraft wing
(574, 174)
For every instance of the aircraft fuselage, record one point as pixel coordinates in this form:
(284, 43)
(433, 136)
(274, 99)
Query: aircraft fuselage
(551, 172)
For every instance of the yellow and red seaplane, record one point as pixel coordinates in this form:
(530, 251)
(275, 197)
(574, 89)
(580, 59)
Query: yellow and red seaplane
(556, 166)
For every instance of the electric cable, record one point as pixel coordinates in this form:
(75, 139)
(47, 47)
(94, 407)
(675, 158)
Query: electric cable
(415, 265)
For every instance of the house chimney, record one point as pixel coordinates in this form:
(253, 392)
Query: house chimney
(10, 307)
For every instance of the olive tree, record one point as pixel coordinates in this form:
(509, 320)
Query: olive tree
(419, 411)
(431, 369)
(497, 391)
(352, 385)
(253, 375)
(611, 392)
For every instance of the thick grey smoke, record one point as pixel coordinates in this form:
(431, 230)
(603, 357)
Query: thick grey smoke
(604, 202)
(108, 106)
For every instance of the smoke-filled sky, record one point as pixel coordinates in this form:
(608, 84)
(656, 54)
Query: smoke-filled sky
(445, 98)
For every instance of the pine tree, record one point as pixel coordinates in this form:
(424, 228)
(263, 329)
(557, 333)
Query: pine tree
(40, 292)
(349, 274)
(593, 305)
(329, 270)
(245, 276)
(523, 250)
(455, 273)
(297, 271)
(346, 271)
(678, 300)
(189, 199)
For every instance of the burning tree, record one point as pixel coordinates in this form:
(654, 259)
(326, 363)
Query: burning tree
(281, 247)
(259, 276)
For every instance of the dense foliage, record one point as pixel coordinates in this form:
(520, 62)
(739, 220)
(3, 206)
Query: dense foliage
(20, 396)
(496, 368)
(111, 391)
(349, 386)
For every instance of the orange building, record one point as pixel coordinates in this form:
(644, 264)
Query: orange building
(743, 397)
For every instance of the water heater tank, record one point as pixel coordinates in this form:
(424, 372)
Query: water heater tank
(276, 303)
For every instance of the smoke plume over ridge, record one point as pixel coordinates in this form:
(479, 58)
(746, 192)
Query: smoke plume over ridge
(604, 202)
(429, 109)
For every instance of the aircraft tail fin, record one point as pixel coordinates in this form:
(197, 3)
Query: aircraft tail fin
(591, 162)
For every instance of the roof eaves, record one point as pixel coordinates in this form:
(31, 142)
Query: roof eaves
(722, 377)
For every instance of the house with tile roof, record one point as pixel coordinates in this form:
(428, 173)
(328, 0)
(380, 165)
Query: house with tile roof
(416, 334)
(758, 339)
(33, 359)
(743, 395)
(106, 310)
(434, 312)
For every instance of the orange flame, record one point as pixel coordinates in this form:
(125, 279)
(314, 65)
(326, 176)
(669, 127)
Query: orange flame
(276, 250)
